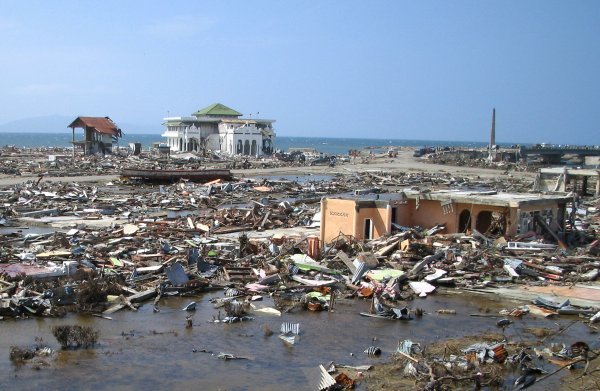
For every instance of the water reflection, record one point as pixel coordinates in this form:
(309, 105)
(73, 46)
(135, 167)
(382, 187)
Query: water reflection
(146, 349)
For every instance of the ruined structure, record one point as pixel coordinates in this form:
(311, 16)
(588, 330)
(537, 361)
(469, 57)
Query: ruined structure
(490, 212)
(583, 182)
(99, 134)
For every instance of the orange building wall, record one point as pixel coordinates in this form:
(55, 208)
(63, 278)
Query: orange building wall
(336, 216)
(476, 209)
(342, 216)
(428, 215)
(381, 218)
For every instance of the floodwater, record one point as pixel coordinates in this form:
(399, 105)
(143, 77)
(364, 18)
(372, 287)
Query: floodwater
(147, 350)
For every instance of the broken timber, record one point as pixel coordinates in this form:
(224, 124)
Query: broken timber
(136, 298)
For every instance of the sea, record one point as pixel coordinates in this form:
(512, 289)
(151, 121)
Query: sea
(326, 145)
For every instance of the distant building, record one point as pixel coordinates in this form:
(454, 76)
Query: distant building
(220, 128)
(99, 133)
(490, 213)
(583, 182)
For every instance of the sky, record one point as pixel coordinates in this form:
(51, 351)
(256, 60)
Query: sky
(428, 70)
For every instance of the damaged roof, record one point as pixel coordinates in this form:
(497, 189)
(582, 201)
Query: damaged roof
(463, 196)
(102, 125)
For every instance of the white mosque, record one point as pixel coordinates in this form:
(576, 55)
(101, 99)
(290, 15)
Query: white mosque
(221, 129)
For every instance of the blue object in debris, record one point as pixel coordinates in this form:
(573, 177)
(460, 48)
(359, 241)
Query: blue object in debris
(176, 274)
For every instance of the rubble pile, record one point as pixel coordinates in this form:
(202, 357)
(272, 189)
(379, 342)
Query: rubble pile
(477, 160)
(490, 363)
(100, 249)
(60, 162)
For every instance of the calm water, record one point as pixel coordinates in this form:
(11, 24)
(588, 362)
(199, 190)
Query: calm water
(147, 350)
(322, 144)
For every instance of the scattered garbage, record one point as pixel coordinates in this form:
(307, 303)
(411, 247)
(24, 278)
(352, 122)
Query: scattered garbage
(289, 332)
(96, 249)
(373, 351)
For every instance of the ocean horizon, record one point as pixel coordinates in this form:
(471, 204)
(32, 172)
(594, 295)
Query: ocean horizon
(327, 145)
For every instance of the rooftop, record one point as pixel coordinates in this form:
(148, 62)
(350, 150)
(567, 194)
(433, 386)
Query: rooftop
(102, 125)
(476, 197)
(217, 109)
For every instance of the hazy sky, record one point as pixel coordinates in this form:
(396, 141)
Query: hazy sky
(378, 69)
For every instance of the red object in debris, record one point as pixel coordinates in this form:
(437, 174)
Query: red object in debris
(345, 381)
(365, 291)
(500, 353)
(314, 247)
(472, 357)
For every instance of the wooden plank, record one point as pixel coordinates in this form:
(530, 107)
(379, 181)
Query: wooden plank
(541, 221)
(308, 282)
(138, 297)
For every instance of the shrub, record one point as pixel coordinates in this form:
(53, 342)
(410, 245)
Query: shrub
(75, 336)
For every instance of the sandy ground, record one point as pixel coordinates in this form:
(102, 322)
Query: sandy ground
(405, 162)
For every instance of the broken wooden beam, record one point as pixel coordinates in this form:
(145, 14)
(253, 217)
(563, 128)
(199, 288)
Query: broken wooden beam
(136, 298)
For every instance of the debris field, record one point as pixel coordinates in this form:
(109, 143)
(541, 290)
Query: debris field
(96, 248)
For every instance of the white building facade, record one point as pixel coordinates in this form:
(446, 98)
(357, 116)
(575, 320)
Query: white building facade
(220, 129)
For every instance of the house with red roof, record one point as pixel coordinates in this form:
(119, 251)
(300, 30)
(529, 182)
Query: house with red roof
(99, 134)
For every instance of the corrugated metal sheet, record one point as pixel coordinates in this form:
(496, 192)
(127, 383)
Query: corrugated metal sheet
(361, 269)
(289, 331)
(373, 351)
(290, 328)
(326, 380)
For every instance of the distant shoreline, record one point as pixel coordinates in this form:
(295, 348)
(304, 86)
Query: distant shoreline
(335, 145)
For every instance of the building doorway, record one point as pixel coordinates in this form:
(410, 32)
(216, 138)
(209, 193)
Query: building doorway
(464, 221)
(484, 221)
(368, 231)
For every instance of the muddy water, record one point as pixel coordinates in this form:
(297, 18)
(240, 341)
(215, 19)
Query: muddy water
(147, 350)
